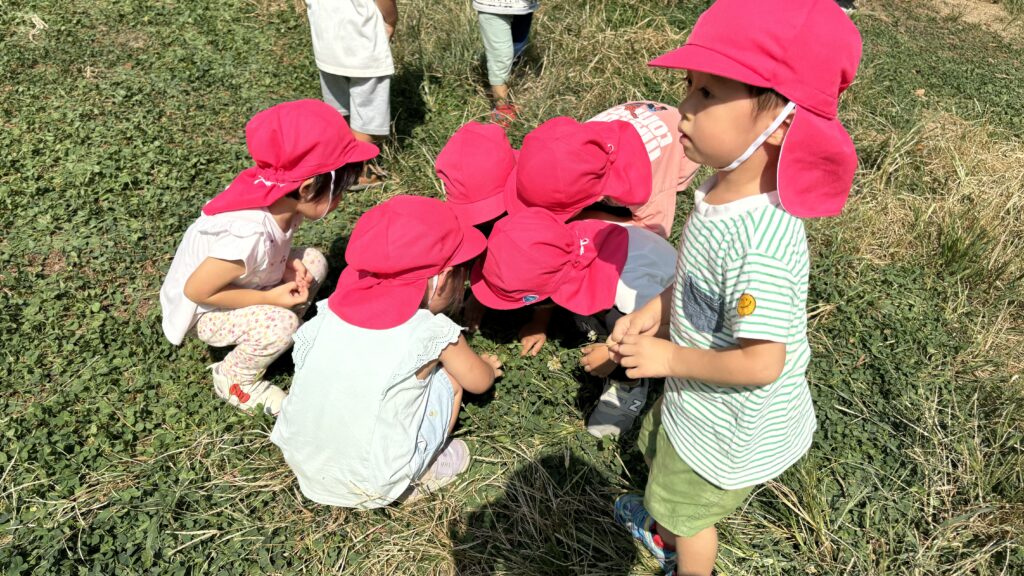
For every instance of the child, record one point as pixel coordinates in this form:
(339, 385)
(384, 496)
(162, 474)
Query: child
(379, 372)
(505, 30)
(477, 168)
(671, 170)
(597, 270)
(235, 278)
(625, 165)
(351, 47)
(764, 79)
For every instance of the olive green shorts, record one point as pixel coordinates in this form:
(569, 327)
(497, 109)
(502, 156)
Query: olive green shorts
(676, 496)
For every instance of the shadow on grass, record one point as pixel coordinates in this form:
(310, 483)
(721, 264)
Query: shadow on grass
(410, 109)
(554, 517)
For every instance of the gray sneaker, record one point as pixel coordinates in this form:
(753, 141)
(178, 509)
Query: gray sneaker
(620, 404)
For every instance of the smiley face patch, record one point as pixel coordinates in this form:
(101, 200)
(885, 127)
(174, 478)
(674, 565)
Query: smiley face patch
(746, 305)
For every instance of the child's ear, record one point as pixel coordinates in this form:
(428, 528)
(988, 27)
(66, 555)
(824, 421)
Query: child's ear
(306, 189)
(444, 277)
(776, 137)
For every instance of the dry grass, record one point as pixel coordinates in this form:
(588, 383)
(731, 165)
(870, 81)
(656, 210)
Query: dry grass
(970, 220)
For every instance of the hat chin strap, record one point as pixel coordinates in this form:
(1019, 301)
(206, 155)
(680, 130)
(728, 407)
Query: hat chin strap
(760, 139)
(330, 199)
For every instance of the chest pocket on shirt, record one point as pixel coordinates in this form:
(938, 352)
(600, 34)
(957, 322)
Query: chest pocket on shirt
(705, 311)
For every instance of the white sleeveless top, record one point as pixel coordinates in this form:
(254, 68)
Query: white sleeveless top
(350, 425)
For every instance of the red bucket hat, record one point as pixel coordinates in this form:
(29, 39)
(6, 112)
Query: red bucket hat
(565, 166)
(808, 51)
(395, 248)
(478, 168)
(533, 255)
(290, 142)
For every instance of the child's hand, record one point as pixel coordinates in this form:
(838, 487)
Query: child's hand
(494, 363)
(644, 321)
(532, 336)
(644, 356)
(288, 295)
(596, 360)
(298, 273)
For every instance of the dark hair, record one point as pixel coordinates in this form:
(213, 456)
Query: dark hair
(462, 270)
(344, 178)
(766, 99)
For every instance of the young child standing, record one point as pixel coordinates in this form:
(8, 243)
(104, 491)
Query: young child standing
(380, 370)
(351, 45)
(235, 278)
(597, 270)
(505, 29)
(764, 79)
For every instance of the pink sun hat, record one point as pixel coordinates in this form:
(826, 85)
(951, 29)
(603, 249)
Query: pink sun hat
(290, 143)
(808, 51)
(478, 168)
(394, 250)
(533, 255)
(565, 166)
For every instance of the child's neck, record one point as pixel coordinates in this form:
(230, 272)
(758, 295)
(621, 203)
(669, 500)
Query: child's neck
(758, 175)
(283, 211)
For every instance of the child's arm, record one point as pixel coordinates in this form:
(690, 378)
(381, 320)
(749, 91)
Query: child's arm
(210, 284)
(473, 373)
(751, 363)
(389, 10)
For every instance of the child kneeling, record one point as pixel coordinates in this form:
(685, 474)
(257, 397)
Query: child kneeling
(380, 370)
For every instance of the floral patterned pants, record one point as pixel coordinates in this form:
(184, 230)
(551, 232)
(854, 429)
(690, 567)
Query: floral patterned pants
(259, 333)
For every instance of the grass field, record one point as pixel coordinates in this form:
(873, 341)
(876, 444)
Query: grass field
(120, 118)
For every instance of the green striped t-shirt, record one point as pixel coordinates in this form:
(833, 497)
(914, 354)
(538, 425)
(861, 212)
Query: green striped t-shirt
(742, 273)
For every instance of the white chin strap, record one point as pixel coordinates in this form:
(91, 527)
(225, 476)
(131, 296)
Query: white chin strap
(330, 199)
(760, 139)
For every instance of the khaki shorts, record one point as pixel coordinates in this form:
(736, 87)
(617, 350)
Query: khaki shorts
(676, 496)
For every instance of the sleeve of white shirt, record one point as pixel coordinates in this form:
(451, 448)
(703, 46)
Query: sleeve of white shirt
(650, 268)
(236, 242)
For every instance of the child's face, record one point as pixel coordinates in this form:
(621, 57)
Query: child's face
(719, 119)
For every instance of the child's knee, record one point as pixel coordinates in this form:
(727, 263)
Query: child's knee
(279, 326)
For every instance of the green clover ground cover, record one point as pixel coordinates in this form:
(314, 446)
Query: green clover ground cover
(119, 119)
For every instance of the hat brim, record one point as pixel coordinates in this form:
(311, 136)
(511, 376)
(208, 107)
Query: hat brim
(488, 297)
(371, 302)
(361, 152)
(696, 57)
(486, 209)
(473, 243)
(817, 164)
(593, 288)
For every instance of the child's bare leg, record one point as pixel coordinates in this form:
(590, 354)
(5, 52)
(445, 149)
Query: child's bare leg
(696, 554)
(500, 92)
